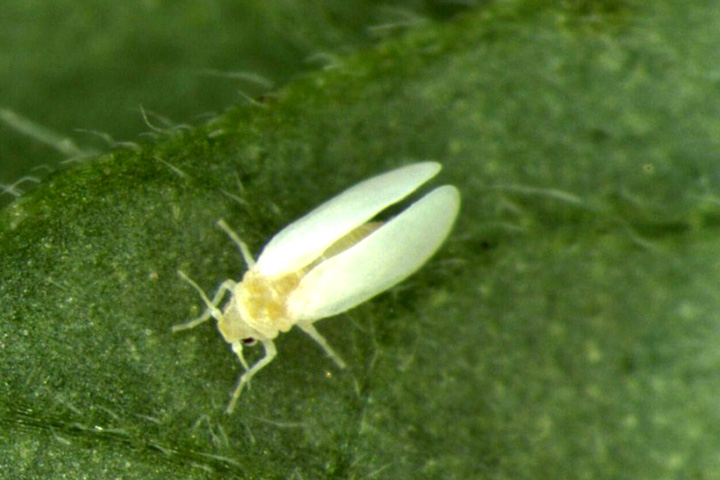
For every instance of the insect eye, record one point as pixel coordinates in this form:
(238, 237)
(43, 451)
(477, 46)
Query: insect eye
(249, 341)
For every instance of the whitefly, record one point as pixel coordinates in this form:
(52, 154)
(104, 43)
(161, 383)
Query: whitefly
(329, 261)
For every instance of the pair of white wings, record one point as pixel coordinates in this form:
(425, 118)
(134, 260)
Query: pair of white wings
(379, 261)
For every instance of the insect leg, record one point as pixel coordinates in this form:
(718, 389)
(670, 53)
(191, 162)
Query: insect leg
(247, 256)
(212, 310)
(270, 353)
(309, 328)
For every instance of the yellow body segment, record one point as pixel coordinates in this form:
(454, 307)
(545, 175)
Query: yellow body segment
(261, 302)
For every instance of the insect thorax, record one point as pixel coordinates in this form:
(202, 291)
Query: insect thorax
(259, 306)
(260, 302)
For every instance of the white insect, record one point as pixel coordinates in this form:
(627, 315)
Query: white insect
(329, 261)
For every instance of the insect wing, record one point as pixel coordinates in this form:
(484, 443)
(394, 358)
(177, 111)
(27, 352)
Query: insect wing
(383, 259)
(304, 240)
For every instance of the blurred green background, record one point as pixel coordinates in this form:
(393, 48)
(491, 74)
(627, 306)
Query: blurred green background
(83, 70)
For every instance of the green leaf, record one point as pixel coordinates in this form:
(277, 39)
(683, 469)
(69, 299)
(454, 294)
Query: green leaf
(567, 330)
